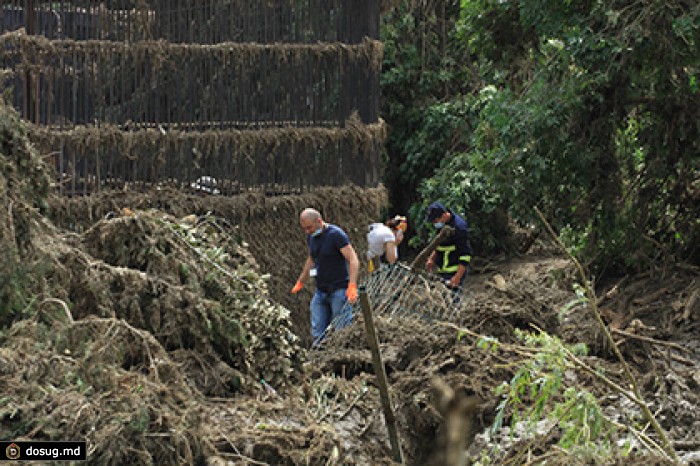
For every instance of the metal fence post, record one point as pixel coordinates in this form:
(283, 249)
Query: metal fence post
(29, 28)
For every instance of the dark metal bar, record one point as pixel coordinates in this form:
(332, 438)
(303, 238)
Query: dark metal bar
(29, 25)
(225, 89)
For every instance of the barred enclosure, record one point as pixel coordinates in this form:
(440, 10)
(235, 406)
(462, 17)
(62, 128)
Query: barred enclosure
(270, 95)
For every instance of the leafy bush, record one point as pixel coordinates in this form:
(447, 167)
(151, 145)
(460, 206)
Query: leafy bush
(538, 391)
(586, 110)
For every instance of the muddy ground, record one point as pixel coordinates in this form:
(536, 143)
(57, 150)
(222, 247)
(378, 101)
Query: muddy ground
(166, 335)
(655, 324)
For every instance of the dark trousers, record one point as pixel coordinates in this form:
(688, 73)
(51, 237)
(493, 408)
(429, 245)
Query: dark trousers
(457, 290)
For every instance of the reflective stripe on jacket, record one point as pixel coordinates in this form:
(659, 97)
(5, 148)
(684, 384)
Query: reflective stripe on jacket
(456, 249)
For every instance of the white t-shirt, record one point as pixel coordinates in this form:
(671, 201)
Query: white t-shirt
(379, 234)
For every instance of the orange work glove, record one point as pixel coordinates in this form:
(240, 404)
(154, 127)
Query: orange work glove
(351, 293)
(297, 287)
(402, 223)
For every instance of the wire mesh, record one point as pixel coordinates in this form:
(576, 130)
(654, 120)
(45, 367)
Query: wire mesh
(398, 292)
(143, 94)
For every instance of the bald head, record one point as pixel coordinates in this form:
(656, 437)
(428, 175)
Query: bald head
(310, 214)
(310, 220)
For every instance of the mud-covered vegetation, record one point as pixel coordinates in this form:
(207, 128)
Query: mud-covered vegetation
(269, 226)
(118, 334)
(156, 322)
(24, 188)
(149, 326)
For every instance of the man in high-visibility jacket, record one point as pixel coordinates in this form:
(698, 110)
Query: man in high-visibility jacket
(452, 257)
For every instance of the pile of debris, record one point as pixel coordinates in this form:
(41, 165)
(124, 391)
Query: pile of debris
(122, 334)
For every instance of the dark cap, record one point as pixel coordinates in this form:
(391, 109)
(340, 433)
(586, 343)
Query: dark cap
(435, 210)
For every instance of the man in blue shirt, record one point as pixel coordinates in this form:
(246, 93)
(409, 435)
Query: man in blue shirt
(452, 257)
(335, 266)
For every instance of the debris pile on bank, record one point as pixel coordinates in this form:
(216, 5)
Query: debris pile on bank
(121, 334)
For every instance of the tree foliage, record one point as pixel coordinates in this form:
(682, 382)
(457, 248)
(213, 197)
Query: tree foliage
(424, 67)
(584, 109)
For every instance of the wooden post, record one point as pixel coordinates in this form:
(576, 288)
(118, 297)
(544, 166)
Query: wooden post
(380, 372)
(459, 414)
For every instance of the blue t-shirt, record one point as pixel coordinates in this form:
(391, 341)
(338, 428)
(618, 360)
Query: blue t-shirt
(331, 267)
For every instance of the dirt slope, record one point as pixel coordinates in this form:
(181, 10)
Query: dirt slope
(657, 333)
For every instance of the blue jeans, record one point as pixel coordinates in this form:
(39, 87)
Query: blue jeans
(327, 307)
